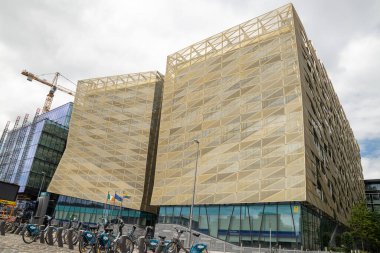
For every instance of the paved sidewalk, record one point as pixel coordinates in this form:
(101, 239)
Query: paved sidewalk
(11, 243)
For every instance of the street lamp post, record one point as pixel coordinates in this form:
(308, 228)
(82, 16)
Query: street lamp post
(42, 182)
(192, 203)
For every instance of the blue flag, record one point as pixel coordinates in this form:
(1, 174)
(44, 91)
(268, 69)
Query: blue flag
(117, 197)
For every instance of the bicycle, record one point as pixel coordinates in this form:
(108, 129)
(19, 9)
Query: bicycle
(75, 231)
(93, 241)
(133, 240)
(116, 241)
(161, 245)
(32, 232)
(176, 245)
(88, 239)
(12, 223)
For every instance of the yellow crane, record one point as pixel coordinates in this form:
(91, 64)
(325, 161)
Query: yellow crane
(53, 87)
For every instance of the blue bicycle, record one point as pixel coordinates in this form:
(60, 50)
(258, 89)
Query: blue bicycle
(176, 245)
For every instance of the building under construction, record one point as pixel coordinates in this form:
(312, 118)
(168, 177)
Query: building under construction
(30, 152)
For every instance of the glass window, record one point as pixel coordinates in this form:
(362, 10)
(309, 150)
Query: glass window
(285, 224)
(203, 223)
(213, 215)
(245, 230)
(185, 214)
(269, 226)
(224, 221)
(234, 231)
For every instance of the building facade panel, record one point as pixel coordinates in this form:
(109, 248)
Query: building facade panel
(334, 173)
(111, 140)
(239, 94)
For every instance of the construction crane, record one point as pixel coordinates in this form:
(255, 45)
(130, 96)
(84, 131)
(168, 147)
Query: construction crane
(53, 87)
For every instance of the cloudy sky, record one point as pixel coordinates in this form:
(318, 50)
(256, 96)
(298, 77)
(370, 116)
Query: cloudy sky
(88, 38)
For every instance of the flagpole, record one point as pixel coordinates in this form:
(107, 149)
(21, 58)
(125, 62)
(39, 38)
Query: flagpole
(105, 205)
(121, 203)
(114, 200)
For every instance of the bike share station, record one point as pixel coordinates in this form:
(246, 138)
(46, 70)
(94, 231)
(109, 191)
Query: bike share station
(94, 238)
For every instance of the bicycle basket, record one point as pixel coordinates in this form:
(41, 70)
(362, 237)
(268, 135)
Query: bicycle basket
(197, 248)
(104, 240)
(153, 243)
(32, 229)
(88, 237)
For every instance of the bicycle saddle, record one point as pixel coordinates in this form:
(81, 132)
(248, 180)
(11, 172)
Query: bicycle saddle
(196, 234)
(93, 227)
(162, 237)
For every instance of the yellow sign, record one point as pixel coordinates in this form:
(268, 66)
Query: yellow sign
(295, 209)
(7, 202)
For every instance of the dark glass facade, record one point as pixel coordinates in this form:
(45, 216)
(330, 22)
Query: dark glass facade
(287, 224)
(91, 211)
(372, 192)
(35, 148)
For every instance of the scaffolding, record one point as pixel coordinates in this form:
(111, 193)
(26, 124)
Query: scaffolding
(27, 145)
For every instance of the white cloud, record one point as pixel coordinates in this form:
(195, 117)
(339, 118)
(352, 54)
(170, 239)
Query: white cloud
(357, 83)
(371, 167)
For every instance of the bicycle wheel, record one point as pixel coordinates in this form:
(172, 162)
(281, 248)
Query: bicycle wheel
(8, 227)
(171, 248)
(55, 230)
(116, 248)
(27, 237)
(84, 247)
(75, 237)
(129, 246)
(53, 234)
(64, 236)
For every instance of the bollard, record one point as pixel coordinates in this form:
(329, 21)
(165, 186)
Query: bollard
(70, 238)
(59, 237)
(42, 234)
(141, 244)
(19, 229)
(49, 235)
(123, 246)
(2, 227)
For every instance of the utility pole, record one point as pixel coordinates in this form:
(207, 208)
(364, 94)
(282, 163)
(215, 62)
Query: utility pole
(195, 181)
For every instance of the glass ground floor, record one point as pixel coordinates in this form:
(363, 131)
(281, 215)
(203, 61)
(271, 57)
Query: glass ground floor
(90, 212)
(291, 225)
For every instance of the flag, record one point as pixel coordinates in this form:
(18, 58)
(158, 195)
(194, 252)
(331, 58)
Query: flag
(110, 197)
(126, 196)
(118, 198)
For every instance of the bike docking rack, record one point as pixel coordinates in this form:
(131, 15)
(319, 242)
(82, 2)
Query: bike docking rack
(123, 244)
(59, 237)
(42, 233)
(49, 234)
(141, 244)
(2, 228)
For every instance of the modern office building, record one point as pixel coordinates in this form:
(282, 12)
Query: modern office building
(34, 148)
(111, 149)
(277, 156)
(372, 192)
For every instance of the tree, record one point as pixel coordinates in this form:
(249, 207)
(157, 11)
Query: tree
(347, 241)
(365, 225)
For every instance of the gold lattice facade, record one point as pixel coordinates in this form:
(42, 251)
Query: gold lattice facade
(243, 93)
(112, 140)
